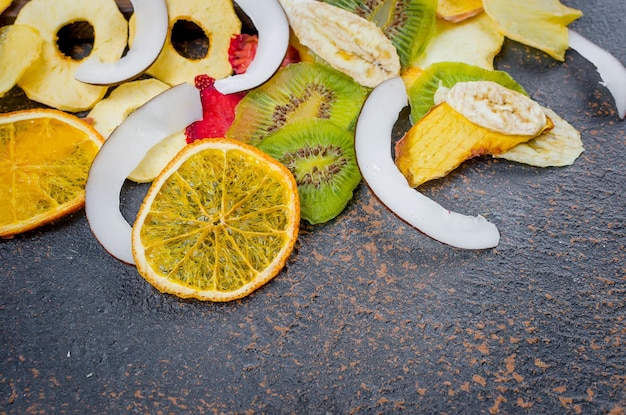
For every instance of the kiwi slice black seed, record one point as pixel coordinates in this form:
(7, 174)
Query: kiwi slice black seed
(298, 91)
(409, 24)
(447, 74)
(321, 157)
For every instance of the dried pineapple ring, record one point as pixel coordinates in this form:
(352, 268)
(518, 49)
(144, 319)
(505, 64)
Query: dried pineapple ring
(50, 80)
(152, 22)
(217, 19)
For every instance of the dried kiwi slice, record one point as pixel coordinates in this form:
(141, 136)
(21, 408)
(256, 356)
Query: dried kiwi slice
(322, 159)
(408, 23)
(300, 91)
(422, 90)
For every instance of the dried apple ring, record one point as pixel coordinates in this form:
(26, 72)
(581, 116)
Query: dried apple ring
(219, 22)
(50, 80)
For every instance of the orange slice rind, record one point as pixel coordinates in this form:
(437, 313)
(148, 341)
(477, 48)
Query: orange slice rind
(44, 161)
(219, 222)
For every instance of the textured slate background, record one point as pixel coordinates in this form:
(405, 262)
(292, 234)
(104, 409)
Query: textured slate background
(369, 316)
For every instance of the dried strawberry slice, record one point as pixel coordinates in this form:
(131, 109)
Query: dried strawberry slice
(218, 111)
(243, 49)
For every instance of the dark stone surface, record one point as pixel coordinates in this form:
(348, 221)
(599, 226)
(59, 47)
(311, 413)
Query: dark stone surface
(369, 316)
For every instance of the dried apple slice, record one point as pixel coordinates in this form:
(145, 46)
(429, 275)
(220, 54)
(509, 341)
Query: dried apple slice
(458, 10)
(539, 24)
(162, 116)
(4, 4)
(151, 20)
(107, 114)
(272, 26)
(20, 46)
(219, 22)
(559, 146)
(475, 42)
(373, 141)
(50, 80)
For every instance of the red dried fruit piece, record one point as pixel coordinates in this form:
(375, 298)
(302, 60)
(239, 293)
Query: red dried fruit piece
(218, 111)
(241, 51)
(243, 48)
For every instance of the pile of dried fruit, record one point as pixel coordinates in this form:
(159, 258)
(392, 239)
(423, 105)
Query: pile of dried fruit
(316, 87)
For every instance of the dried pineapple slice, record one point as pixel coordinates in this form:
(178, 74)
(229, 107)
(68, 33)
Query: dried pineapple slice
(541, 24)
(475, 41)
(218, 20)
(559, 146)
(50, 80)
(344, 40)
(458, 10)
(20, 46)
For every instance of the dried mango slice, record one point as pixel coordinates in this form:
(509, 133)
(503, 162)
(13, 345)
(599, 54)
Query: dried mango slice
(475, 41)
(556, 147)
(541, 24)
(442, 140)
(458, 10)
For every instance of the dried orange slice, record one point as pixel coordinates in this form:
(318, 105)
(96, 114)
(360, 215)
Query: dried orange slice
(218, 222)
(44, 161)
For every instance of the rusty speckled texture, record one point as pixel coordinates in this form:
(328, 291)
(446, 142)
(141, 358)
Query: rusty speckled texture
(369, 316)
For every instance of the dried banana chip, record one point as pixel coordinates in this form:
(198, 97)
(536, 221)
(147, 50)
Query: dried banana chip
(344, 40)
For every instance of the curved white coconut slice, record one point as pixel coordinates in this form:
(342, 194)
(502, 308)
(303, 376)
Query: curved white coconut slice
(150, 35)
(165, 114)
(373, 153)
(271, 23)
(611, 70)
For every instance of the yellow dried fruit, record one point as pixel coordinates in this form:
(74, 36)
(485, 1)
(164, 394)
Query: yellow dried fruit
(107, 114)
(4, 4)
(541, 24)
(559, 146)
(442, 140)
(45, 156)
(475, 41)
(20, 46)
(347, 42)
(458, 10)
(219, 222)
(219, 22)
(50, 80)
(497, 108)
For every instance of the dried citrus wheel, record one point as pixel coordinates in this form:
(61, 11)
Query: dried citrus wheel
(44, 161)
(218, 222)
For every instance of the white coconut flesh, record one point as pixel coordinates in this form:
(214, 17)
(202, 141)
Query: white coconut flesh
(373, 151)
(126, 147)
(152, 28)
(611, 70)
(272, 26)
